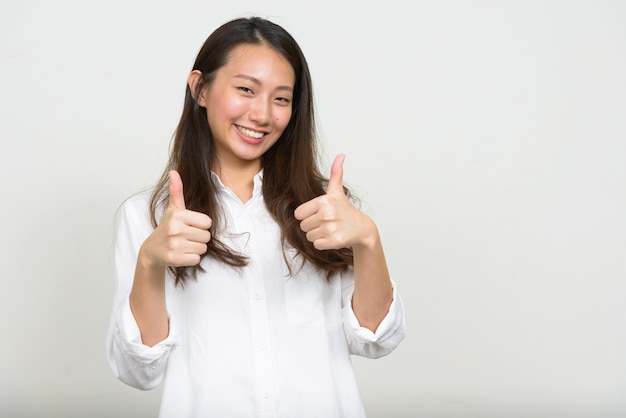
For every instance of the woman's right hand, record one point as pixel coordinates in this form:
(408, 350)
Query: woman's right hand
(181, 237)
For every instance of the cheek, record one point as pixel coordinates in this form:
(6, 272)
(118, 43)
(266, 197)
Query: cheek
(283, 118)
(226, 106)
(231, 106)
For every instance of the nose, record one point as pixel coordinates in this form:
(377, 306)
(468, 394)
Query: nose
(259, 111)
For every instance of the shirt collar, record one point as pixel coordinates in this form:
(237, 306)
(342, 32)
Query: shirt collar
(258, 183)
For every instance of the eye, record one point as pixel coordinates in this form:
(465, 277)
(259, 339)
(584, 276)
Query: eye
(283, 100)
(245, 89)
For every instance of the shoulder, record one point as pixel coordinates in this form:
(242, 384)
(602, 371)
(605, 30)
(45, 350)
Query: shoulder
(138, 201)
(136, 207)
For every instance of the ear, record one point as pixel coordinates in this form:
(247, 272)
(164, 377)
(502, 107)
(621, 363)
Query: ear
(193, 80)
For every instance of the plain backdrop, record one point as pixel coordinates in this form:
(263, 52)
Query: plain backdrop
(486, 138)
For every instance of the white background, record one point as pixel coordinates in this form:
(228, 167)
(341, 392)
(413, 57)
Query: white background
(487, 139)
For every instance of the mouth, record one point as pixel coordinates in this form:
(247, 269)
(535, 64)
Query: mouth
(250, 133)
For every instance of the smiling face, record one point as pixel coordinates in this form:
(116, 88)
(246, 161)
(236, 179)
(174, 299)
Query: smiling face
(248, 105)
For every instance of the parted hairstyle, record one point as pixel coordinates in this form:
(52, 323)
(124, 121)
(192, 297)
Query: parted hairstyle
(291, 175)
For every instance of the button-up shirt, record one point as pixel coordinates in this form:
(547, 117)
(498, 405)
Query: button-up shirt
(253, 342)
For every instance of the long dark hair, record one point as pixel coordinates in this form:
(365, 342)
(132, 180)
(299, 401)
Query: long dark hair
(291, 175)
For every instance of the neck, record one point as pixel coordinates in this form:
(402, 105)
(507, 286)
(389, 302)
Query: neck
(240, 179)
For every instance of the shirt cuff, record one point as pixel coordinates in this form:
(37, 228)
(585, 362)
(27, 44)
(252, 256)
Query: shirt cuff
(390, 323)
(131, 338)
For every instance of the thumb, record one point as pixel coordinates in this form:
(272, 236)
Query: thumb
(335, 183)
(177, 199)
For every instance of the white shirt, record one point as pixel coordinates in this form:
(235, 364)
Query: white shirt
(255, 343)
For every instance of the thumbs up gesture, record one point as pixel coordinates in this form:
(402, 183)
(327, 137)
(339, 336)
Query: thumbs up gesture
(182, 235)
(331, 221)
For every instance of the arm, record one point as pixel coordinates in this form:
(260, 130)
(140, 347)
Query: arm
(147, 301)
(131, 361)
(372, 288)
(139, 341)
(363, 341)
(179, 240)
(331, 221)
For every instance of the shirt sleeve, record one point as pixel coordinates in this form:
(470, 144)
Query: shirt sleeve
(388, 335)
(133, 362)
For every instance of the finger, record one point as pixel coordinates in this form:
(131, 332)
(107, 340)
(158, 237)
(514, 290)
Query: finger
(197, 220)
(196, 248)
(324, 244)
(186, 260)
(305, 210)
(177, 199)
(186, 253)
(335, 183)
(309, 223)
(198, 235)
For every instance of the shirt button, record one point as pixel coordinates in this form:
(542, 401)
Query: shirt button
(266, 395)
(263, 346)
(257, 296)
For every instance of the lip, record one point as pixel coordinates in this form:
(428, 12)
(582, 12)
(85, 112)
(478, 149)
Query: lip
(247, 139)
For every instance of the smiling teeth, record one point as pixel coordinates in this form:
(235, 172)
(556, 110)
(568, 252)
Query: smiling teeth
(251, 134)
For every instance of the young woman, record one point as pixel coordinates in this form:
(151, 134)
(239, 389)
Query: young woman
(246, 278)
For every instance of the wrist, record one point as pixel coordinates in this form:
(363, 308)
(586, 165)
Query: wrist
(147, 264)
(370, 239)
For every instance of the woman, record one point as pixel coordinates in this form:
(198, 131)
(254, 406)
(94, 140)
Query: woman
(246, 279)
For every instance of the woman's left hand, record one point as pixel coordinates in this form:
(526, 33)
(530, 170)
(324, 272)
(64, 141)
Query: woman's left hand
(331, 221)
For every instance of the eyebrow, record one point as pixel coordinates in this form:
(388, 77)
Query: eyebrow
(257, 81)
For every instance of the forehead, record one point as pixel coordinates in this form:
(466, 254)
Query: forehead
(259, 61)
